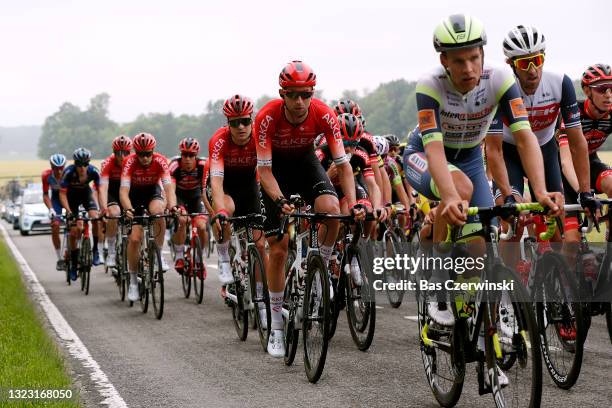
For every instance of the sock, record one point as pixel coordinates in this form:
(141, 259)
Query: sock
(95, 245)
(178, 249)
(259, 289)
(326, 252)
(223, 251)
(74, 255)
(111, 241)
(58, 252)
(100, 247)
(276, 309)
(133, 278)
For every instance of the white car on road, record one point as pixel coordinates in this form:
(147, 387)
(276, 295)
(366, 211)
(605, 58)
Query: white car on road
(33, 213)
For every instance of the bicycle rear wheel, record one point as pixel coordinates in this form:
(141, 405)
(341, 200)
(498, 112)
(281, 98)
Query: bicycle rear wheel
(292, 333)
(156, 279)
(360, 306)
(122, 279)
(315, 323)
(517, 340)
(394, 275)
(198, 270)
(187, 272)
(560, 318)
(260, 300)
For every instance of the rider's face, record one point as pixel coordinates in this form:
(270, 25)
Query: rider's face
(295, 101)
(600, 98)
(464, 67)
(529, 79)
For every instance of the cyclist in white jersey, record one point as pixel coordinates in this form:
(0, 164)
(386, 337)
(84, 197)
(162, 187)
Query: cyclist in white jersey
(456, 104)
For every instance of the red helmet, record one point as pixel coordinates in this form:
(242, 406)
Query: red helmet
(144, 142)
(236, 106)
(189, 145)
(122, 143)
(347, 106)
(350, 127)
(297, 73)
(596, 73)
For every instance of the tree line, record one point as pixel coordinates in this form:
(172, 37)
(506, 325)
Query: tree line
(390, 108)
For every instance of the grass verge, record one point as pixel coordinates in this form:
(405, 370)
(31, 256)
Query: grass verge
(29, 359)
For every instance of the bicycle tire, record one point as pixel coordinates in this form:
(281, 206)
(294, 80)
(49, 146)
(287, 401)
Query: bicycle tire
(315, 322)
(187, 272)
(256, 263)
(609, 321)
(517, 343)
(553, 267)
(360, 307)
(122, 269)
(156, 280)
(240, 317)
(209, 243)
(391, 248)
(143, 285)
(292, 334)
(85, 264)
(198, 270)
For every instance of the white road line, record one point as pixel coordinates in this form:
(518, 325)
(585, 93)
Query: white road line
(413, 318)
(212, 266)
(379, 307)
(68, 338)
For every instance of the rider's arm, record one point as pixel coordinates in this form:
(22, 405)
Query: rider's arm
(64, 200)
(373, 192)
(567, 165)
(45, 190)
(347, 181)
(263, 136)
(386, 183)
(573, 130)
(126, 181)
(103, 190)
(217, 173)
(397, 184)
(166, 182)
(495, 162)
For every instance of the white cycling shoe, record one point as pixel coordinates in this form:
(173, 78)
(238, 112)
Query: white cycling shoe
(356, 272)
(111, 260)
(501, 378)
(133, 292)
(164, 265)
(276, 344)
(225, 273)
(441, 317)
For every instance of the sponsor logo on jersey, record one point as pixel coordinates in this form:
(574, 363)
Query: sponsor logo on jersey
(418, 162)
(427, 120)
(518, 108)
(263, 129)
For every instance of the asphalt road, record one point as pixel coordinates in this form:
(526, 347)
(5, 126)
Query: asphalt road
(193, 358)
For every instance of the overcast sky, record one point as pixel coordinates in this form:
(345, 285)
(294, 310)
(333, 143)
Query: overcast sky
(161, 56)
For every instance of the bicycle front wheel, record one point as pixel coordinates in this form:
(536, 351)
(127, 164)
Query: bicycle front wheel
(315, 323)
(259, 295)
(198, 270)
(187, 272)
(515, 348)
(86, 259)
(395, 275)
(360, 306)
(560, 318)
(156, 280)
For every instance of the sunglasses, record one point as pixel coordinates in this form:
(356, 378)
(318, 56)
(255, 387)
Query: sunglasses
(602, 88)
(82, 164)
(295, 95)
(525, 62)
(240, 121)
(188, 155)
(144, 154)
(121, 152)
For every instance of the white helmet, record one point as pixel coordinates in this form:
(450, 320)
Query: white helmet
(382, 145)
(523, 40)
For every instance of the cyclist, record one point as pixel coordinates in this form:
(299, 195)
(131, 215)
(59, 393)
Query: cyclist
(596, 119)
(456, 104)
(110, 180)
(188, 179)
(51, 178)
(141, 176)
(366, 189)
(547, 96)
(393, 172)
(285, 129)
(233, 180)
(75, 191)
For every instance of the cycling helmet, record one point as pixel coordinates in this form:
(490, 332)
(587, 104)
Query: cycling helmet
(236, 106)
(81, 156)
(393, 140)
(189, 145)
(347, 106)
(122, 143)
(144, 142)
(382, 145)
(363, 121)
(297, 73)
(459, 31)
(351, 128)
(596, 73)
(57, 160)
(523, 40)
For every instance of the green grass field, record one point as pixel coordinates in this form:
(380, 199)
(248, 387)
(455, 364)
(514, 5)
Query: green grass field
(26, 170)
(28, 357)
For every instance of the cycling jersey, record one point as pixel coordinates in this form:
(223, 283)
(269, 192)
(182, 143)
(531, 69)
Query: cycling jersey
(393, 170)
(50, 182)
(367, 143)
(359, 161)
(136, 175)
(111, 175)
(462, 121)
(596, 131)
(277, 138)
(187, 181)
(227, 156)
(77, 190)
(555, 95)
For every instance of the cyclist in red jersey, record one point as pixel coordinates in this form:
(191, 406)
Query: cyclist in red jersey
(285, 130)
(110, 180)
(142, 173)
(51, 179)
(188, 180)
(233, 179)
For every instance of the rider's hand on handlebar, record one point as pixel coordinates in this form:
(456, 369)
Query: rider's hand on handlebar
(454, 210)
(284, 206)
(591, 205)
(129, 213)
(358, 211)
(381, 214)
(553, 201)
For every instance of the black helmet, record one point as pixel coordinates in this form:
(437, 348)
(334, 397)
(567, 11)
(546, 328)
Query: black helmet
(81, 156)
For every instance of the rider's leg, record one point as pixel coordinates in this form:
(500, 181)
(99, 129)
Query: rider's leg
(156, 207)
(178, 239)
(328, 203)
(111, 227)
